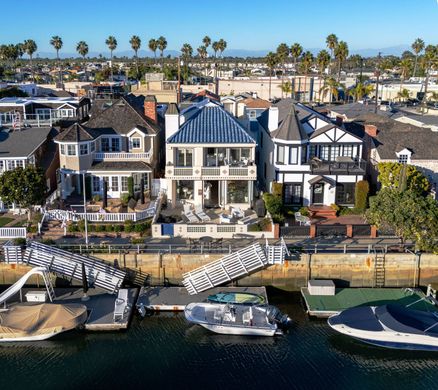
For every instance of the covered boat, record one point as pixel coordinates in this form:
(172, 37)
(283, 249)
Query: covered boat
(390, 326)
(39, 322)
(235, 319)
(243, 298)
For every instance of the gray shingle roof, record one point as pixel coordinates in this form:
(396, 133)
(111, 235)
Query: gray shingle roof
(290, 128)
(75, 133)
(211, 125)
(22, 143)
(129, 166)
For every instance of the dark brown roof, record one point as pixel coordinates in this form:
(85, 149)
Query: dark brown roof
(256, 103)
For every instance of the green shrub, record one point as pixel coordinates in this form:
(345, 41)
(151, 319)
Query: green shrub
(273, 204)
(97, 198)
(129, 226)
(109, 228)
(48, 241)
(264, 224)
(117, 228)
(361, 195)
(277, 189)
(19, 241)
(130, 187)
(304, 211)
(278, 218)
(124, 198)
(139, 228)
(100, 228)
(137, 240)
(81, 225)
(335, 207)
(32, 229)
(72, 228)
(255, 227)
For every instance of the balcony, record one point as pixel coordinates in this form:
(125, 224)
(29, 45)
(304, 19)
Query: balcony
(122, 156)
(248, 172)
(342, 166)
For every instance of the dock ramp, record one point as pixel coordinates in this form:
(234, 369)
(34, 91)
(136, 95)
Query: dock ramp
(228, 268)
(69, 265)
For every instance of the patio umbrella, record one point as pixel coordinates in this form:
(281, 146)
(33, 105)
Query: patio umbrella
(84, 283)
(142, 191)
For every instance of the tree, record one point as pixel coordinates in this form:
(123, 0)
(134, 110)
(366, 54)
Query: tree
(30, 47)
(221, 46)
(392, 174)
(410, 215)
(57, 43)
(306, 63)
(331, 86)
(296, 50)
(404, 94)
(430, 61)
(271, 62)
(286, 88)
(26, 187)
(206, 41)
(332, 42)
(153, 46)
(341, 54)
(361, 195)
(361, 90)
(82, 49)
(282, 55)
(417, 47)
(135, 43)
(162, 44)
(405, 69)
(202, 53)
(187, 52)
(322, 60)
(111, 42)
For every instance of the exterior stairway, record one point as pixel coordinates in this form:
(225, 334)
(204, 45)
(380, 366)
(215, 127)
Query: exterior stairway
(52, 229)
(379, 269)
(325, 212)
(228, 268)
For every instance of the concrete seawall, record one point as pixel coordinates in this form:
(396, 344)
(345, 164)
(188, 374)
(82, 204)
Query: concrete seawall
(353, 270)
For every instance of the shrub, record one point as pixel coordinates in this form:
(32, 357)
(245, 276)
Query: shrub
(304, 211)
(109, 228)
(361, 195)
(335, 207)
(277, 189)
(125, 198)
(19, 241)
(81, 225)
(278, 218)
(100, 228)
(32, 229)
(137, 240)
(117, 228)
(72, 228)
(139, 228)
(97, 198)
(130, 187)
(264, 224)
(48, 241)
(129, 226)
(274, 204)
(255, 227)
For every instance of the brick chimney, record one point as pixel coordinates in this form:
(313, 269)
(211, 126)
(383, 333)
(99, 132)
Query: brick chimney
(339, 120)
(150, 108)
(371, 130)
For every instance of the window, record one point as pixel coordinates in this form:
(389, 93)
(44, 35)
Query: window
(324, 152)
(293, 155)
(303, 154)
(71, 150)
(2, 167)
(184, 157)
(66, 113)
(43, 113)
(92, 146)
(280, 154)
(83, 149)
(345, 193)
(184, 189)
(348, 151)
(135, 143)
(96, 184)
(334, 152)
(62, 149)
(238, 191)
(252, 114)
(105, 145)
(115, 183)
(19, 164)
(292, 193)
(403, 158)
(124, 183)
(115, 145)
(10, 164)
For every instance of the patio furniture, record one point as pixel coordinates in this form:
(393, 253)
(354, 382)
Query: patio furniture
(301, 219)
(237, 212)
(199, 212)
(224, 218)
(188, 213)
(245, 220)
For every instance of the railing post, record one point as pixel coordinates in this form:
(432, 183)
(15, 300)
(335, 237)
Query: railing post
(345, 249)
(316, 249)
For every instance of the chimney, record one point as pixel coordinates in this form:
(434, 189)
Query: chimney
(172, 120)
(371, 130)
(273, 118)
(150, 108)
(254, 95)
(339, 120)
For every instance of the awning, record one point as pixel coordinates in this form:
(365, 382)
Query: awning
(319, 178)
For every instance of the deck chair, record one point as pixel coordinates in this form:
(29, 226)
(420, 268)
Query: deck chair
(199, 212)
(188, 213)
(237, 212)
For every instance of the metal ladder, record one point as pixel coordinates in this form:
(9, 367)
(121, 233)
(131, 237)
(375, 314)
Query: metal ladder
(379, 267)
(49, 286)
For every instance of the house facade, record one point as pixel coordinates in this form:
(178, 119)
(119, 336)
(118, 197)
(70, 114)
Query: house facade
(318, 162)
(209, 157)
(122, 141)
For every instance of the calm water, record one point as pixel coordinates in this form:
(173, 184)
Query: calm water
(163, 352)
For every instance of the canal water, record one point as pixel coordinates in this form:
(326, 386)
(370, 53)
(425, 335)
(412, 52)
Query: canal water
(165, 352)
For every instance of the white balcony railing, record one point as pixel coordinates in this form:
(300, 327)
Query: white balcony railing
(121, 156)
(225, 171)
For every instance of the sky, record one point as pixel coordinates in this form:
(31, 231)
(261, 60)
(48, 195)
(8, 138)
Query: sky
(244, 24)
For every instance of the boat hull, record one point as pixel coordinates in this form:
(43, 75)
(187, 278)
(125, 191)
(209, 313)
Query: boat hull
(39, 337)
(239, 331)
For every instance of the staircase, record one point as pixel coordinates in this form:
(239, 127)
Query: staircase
(49, 286)
(52, 229)
(228, 268)
(379, 268)
(325, 212)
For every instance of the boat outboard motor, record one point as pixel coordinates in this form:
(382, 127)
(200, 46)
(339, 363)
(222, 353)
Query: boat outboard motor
(275, 315)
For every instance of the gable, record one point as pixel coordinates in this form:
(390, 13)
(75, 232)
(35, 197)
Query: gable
(335, 134)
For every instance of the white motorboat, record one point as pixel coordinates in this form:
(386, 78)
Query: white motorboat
(236, 319)
(39, 322)
(390, 326)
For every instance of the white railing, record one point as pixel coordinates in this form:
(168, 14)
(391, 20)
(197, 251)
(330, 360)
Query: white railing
(246, 172)
(121, 156)
(10, 119)
(13, 232)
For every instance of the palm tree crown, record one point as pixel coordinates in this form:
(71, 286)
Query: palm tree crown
(111, 42)
(82, 48)
(296, 50)
(57, 43)
(153, 46)
(417, 47)
(323, 60)
(341, 54)
(206, 41)
(30, 47)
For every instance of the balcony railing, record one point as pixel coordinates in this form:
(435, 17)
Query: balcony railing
(121, 156)
(344, 166)
(225, 171)
(10, 119)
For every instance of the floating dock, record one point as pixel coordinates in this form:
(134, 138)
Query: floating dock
(323, 306)
(176, 298)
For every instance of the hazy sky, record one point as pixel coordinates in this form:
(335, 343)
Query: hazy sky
(244, 24)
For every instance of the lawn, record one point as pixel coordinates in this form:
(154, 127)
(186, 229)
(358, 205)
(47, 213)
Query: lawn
(5, 220)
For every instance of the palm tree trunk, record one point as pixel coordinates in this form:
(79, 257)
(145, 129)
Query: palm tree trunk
(424, 100)
(111, 67)
(136, 66)
(270, 77)
(31, 69)
(415, 65)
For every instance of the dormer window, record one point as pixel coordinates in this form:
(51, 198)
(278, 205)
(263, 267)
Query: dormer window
(404, 156)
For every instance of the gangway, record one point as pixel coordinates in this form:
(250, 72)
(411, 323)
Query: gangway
(276, 254)
(69, 265)
(17, 286)
(228, 268)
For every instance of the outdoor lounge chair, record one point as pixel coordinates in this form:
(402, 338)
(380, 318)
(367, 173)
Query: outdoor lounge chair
(237, 212)
(199, 212)
(188, 213)
(301, 219)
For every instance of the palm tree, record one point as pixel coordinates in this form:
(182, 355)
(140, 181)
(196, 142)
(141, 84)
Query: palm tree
(271, 63)
(82, 49)
(20, 50)
(331, 86)
(202, 53)
(216, 47)
(361, 90)
(417, 47)
(296, 50)
(341, 54)
(405, 68)
(322, 60)
(430, 61)
(187, 52)
(111, 42)
(135, 43)
(282, 54)
(306, 63)
(30, 47)
(434, 96)
(403, 94)
(56, 42)
(162, 44)
(332, 42)
(153, 46)
(222, 45)
(206, 41)
(286, 88)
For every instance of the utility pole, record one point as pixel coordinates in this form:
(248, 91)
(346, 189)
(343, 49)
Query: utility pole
(377, 73)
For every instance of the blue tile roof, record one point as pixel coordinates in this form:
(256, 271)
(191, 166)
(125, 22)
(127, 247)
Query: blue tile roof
(211, 125)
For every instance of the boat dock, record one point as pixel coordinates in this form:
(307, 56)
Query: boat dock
(323, 306)
(176, 298)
